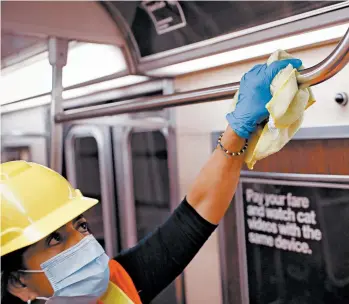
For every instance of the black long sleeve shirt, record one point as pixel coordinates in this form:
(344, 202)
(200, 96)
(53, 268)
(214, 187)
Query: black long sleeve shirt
(161, 256)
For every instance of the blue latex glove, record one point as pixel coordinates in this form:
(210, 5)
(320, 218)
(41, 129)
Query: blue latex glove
(254, 94)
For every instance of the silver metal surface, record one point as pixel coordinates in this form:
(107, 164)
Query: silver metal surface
(321, 72)
(58, 50)
(170, 136)
(103, 138)
(328, 132)
(223, 259)
(124, 184)
(146, 87)
(130, 48)
(296, 177)
(238, 292)
(125, 120)
(98, 80)
(128, 91)
(329, 66)
(151, 103)
(241, 244)
(295, 183)
(169, 88)
(21, 134)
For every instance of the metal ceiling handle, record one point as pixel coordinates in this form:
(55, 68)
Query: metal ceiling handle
(317, 74)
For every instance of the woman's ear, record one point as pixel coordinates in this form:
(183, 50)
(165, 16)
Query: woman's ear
(19, 289)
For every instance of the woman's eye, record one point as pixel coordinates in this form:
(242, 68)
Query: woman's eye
(83, 227)
(54, 239)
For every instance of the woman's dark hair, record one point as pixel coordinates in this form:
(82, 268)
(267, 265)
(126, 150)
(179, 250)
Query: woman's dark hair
(10, 264)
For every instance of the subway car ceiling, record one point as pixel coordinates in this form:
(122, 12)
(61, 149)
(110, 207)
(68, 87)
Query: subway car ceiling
(155, 37)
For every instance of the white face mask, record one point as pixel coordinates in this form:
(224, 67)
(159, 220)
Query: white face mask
(77, 275)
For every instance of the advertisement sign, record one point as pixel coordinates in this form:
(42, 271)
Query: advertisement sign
(297, 241)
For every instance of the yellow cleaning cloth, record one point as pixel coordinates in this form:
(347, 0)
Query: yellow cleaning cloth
(286, 109)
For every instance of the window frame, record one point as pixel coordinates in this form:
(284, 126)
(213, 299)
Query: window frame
(103, 139)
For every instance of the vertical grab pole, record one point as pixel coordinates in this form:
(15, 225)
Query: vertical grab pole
(58, 50)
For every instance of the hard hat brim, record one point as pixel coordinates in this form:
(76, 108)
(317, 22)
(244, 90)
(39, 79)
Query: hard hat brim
(50, 223)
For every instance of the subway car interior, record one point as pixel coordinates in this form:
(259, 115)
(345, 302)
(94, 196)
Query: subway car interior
(127, 99)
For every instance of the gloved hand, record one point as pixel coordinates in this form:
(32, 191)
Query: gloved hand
(254, 94)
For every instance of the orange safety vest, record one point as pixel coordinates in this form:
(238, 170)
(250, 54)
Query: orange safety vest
(121, 289)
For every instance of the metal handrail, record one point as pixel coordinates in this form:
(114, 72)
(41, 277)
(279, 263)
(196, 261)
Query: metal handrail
(329, 67)
(317, 74)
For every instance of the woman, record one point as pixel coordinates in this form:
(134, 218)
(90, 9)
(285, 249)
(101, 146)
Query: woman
(49, 254)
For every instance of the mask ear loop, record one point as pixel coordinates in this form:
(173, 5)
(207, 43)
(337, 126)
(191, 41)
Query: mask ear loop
(30, 271)
(34, 271)
(38, 298)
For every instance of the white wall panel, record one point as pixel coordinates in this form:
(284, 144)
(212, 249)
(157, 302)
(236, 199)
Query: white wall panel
(31, 120)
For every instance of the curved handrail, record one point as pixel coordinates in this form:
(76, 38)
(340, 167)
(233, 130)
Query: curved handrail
(329, 67)
(317, 74)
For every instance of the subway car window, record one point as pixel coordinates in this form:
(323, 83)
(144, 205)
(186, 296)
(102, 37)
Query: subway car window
(88, 181)
(151, 189)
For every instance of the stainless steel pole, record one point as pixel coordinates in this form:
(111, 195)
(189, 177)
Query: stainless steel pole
(330, 66)
(317, 74)
(58, 50)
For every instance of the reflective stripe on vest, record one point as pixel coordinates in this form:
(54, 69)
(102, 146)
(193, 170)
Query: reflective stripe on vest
(115, 295)
(120, 286)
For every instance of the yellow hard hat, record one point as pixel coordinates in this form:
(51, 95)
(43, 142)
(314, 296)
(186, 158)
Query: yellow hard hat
(35, 201)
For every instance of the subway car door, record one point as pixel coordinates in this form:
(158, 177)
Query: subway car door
(89, 167)
(146, 157)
